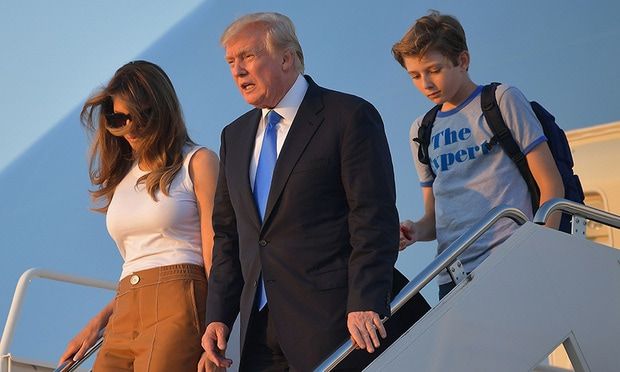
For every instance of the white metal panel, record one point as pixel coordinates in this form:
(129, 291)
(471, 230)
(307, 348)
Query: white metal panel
(535, 290)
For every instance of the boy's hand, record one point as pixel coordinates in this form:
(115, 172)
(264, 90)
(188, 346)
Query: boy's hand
(407, 234)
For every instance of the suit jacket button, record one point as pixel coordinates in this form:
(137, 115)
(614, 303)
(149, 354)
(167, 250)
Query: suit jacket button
(262, 243)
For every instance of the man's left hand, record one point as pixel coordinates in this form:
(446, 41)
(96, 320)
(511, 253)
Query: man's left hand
(363, 327)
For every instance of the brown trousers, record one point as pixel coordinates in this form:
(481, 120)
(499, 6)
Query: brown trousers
(157, 321)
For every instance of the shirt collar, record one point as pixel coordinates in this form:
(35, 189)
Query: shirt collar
(289, 104)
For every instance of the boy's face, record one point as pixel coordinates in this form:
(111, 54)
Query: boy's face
(438, 78)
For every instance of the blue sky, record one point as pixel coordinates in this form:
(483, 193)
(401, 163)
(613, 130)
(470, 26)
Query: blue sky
(561, 53)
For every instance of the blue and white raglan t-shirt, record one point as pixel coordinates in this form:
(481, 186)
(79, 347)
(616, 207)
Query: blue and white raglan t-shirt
(472, 178)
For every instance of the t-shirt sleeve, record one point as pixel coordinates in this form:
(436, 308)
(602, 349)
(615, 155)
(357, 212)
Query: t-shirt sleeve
(520, 118)
(424, 173)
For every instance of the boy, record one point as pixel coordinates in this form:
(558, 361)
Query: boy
(469, 175)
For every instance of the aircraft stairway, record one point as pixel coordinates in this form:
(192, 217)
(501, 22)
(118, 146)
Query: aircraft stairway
(539, 290)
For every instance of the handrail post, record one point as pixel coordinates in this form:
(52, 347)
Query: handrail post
(16, 305)
(20, 291)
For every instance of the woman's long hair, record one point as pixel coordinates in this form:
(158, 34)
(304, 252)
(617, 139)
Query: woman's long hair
(157, 121)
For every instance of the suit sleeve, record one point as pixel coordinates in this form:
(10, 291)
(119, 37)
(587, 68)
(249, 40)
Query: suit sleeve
(368, 180)
(225, 280)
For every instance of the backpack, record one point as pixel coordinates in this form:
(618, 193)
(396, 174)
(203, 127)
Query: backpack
(556, 140)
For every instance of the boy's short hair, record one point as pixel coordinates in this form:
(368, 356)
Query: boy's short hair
(435, 31)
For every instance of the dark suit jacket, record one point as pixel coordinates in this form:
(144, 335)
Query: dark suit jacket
(329, 239)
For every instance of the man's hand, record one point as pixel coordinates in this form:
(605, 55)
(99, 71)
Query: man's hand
(363, 327)
(214, 341)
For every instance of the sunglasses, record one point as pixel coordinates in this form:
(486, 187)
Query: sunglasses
(117, 120)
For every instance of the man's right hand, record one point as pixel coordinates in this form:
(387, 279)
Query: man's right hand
(214, 341)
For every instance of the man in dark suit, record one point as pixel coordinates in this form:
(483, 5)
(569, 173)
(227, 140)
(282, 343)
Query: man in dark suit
(306, 227)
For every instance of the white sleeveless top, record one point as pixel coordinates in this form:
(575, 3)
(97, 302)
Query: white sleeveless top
(151, 234)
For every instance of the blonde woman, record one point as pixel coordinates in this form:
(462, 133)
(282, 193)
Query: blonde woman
(156, 187)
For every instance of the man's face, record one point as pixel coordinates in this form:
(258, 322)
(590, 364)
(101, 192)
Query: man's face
(259, 74)
(435, 76)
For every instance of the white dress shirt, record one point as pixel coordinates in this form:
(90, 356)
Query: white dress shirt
(287, 109)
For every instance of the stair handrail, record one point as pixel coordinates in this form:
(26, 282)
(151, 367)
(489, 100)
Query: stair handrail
(20, 291)
(575, 209)
(440, 263)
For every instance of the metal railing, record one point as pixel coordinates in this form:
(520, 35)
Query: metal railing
(576, 210)
(440, 263)
(20, 291)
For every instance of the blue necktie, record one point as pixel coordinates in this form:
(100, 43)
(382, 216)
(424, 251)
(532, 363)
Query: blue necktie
(262, 181)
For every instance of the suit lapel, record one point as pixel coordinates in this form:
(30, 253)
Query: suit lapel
(244, 152)
(307, 120)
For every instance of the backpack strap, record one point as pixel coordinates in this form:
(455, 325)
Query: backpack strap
(502, 135)
(424, 137)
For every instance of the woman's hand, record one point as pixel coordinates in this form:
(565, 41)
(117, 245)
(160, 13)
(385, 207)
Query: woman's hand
(87, 337)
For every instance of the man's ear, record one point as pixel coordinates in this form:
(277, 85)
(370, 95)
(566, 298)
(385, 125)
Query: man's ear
(288, 60)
